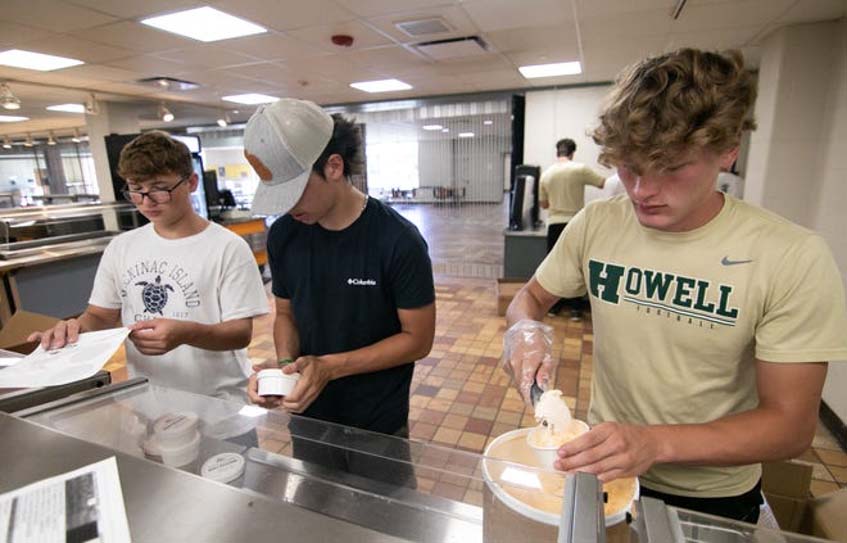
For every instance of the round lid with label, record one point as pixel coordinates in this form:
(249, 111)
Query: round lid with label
(224, 467)
(176, 427)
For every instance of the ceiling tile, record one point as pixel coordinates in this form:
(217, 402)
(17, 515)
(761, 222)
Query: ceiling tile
(286, 15)
(149, 65)
(487, 63)
(372, 8)
(69, 46)
(491, 15)
(52, 15)
(13, 34)
(618, 28)
(805, 11)
(102, 72)
(724, 38)
(536, 46)
(731, 14)
(206, 56)
(135, 36)
(263, 71)
(134, 9)
(273, 46)
(320, 36)
(387, 59)
(603, 8)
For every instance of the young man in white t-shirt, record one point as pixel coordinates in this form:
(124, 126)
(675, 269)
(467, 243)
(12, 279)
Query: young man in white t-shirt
(187, 288)
(713, 320)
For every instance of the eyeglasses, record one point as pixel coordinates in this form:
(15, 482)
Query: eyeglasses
(157, 196)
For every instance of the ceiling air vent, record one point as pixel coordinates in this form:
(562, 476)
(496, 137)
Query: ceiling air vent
(424, 27)
(168, 83)
(453, 48)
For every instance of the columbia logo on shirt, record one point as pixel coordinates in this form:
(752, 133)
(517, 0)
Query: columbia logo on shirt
(361, 282)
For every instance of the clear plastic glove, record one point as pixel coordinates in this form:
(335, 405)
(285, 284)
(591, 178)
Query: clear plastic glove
(528, 355)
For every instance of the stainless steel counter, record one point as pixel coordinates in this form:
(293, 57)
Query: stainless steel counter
(165, 504)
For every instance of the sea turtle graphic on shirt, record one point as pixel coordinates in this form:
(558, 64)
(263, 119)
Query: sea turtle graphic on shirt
(155, 295)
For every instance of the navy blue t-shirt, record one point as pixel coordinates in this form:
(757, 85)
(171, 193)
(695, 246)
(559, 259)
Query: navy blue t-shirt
(345, 288)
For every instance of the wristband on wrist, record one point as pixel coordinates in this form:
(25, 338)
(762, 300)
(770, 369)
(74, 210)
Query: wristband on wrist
(284, 362)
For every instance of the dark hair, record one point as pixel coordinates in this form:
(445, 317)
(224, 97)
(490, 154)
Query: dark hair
(346, 141)
(154, 153)
(565, 147)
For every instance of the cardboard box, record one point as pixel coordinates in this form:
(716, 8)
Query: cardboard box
(786, 487)
(506, 290)
(826, 516)
(14, 332)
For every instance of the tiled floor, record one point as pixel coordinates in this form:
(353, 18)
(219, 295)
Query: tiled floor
(462, 399)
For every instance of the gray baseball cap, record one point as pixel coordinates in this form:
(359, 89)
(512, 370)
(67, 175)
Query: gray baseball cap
(282, 141)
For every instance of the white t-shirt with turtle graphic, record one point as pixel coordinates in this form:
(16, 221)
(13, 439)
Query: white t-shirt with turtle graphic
(210, 277)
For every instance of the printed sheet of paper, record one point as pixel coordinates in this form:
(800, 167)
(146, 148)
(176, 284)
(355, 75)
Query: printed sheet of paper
(82, 505)
(66, 365)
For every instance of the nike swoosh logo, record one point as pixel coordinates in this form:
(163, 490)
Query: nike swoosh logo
(727, 262)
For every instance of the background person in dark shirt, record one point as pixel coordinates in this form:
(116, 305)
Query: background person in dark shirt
(352, 280)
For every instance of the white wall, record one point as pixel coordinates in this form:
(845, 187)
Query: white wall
(830, 219)
(798, 156)
(562, 113)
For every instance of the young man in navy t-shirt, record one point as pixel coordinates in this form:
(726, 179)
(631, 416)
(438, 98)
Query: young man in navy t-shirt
(352, 280)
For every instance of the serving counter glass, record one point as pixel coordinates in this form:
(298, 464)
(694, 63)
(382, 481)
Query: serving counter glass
(28, 231)
(400, 488)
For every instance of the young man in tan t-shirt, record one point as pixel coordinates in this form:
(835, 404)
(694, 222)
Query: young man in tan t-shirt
(713, 320)
(562, 194)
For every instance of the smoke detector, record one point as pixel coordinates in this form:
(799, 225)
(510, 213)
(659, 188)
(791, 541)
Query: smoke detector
(342, 40)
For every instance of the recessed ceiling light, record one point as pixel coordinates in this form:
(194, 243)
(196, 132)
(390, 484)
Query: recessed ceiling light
(204, 24)
(383, 85)
(164, 113)
(432, 127)
(466, 134)
(551, 70)
(68, 108)
(35, 61)
(250, 99)
(12, 119)
(487, 122)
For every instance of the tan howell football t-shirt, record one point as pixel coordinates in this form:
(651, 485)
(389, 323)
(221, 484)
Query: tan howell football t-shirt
(678, 318)
(563, 185)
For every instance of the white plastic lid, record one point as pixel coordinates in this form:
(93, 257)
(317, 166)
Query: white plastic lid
(269, 373)
(224, 467)
(176, 426)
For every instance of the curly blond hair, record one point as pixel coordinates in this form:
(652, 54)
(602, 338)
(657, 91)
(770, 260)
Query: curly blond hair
(666, 105)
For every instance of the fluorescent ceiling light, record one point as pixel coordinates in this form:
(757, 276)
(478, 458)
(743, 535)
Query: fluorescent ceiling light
(551, 70)
(466, 134)
(250, 99)
(204, 24)
(383, 85)
(68, 108)
(445, 130)
(432, 127)
(487, 122)
(12, 119)
(35, 61)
